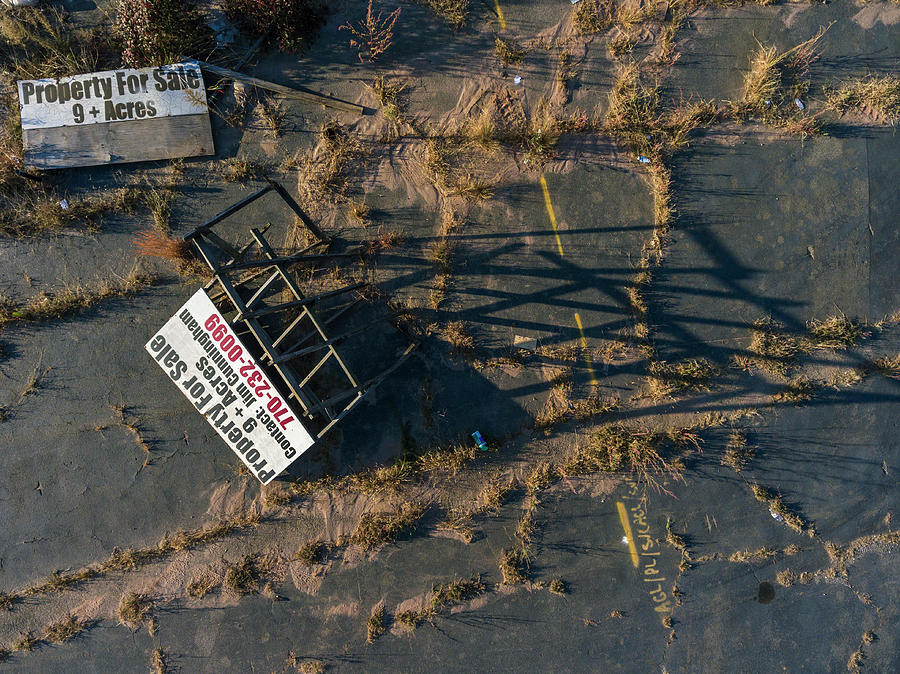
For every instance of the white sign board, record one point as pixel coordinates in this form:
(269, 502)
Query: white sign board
(112, 96)
(163, 109)
(199, 351)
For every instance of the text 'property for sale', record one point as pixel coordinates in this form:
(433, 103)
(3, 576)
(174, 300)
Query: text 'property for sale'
(112, 96)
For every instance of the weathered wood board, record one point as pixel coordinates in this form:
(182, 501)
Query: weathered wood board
(115, 116)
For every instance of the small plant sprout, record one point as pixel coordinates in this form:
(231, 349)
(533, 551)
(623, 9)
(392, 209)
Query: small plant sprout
(373, 35)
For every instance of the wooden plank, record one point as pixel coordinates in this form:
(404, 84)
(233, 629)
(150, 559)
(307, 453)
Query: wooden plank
(118, 142)
(300, 93)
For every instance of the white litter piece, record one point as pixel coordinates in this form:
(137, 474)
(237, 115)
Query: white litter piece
(527, 343)
(776, 516)
(625, 540)
(64, 204)
(574, 1)
(517, 79)
(799, 104)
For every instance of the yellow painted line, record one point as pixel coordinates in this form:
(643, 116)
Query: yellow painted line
(551, 213)
(500, 14)
(626, 525)
(587, 354)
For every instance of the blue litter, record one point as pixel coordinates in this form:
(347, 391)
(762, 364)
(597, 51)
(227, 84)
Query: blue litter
(482, 445)
(644, 160)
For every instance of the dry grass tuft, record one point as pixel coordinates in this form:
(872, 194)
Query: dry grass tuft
(449, 460)
(885, 365)
(786, 577)
(453, 12)
(593, 16)
(376, 529)
(201, 585)
(158, 664)
(776, 504)
(835, 332)
(875, 95)
(32, 212)
(457, 333)
(243, 577)
(64, 630)
(614, 448)
(798, 391)
(473, 188)
(26, 642)
(750, 555)
(737, 452)
(514, 567)
(134, 609)
(72, 299)
(310, 553)
(312, 667)
(507, 51)
(457, 591)
(775, 80)
(689, 375)
(238, 170)
(558, 586)
(375, 624)
(623, 42)
(775, 351)
(389, 93)
(560, 406)
(7, 600)
(482, 131)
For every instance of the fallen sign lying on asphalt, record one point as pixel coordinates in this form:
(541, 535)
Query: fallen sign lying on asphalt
(212, 368)
(259, 351)
(115, 116)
